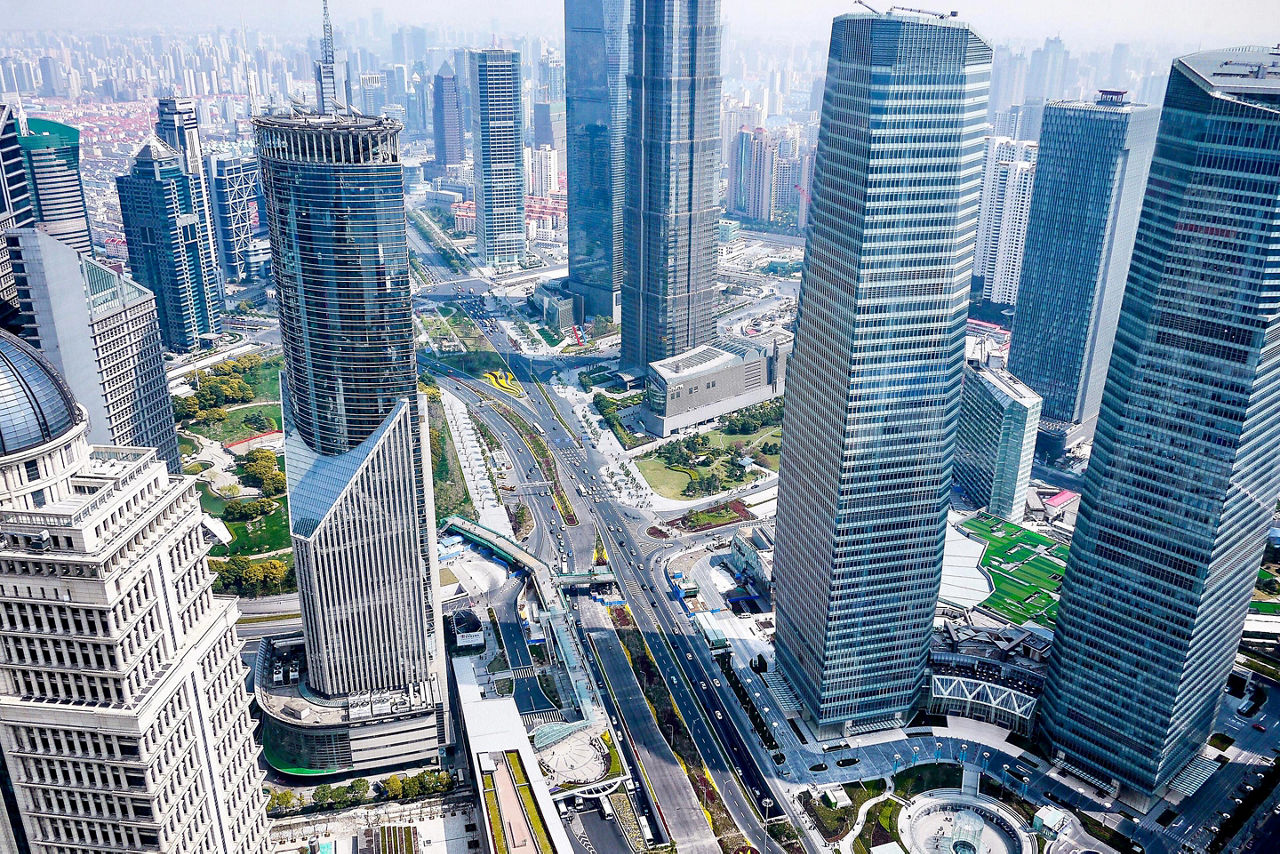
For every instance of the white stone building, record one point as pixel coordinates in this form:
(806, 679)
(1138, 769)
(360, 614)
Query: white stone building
(123, 716)
(1008, 178)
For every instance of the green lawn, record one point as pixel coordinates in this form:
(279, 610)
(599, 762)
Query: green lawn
(265, 378)
(187, 445)
(234, 429)
(752, 441)
(1265, 607)
(667, 482)
(269, 533)
(1025, 568)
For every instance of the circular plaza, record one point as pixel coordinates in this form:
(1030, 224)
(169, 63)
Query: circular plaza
(948, 821)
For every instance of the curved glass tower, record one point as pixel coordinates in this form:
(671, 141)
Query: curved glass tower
(51, 154)
(873, 388)
(1183, 480)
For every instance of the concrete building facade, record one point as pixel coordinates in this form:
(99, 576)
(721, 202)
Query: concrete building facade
(1009, 172)
(996, 439)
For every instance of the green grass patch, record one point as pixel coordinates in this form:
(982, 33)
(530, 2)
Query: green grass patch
(187, 445)
(1221, 741)
(267, 534)
(1265, 607)
(1025, 568)
(664, 480)
(234, 429)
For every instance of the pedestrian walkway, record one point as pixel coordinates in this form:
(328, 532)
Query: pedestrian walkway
(471, 454)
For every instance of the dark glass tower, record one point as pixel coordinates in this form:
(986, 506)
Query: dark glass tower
(446, 116)
(874, 385)
(1090, 175)
(1183, 480)
(672, 180)
(51, 155)
(15, 211)
(167, 249)
(597, 57)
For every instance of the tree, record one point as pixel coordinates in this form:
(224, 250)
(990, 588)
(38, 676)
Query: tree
(274, 572)
(253, 576)
(359, 788)
(394, 787)
(322, 795)
(213, 416)
(184, 408)
(412, 787)
(274, 483)
(340, 796)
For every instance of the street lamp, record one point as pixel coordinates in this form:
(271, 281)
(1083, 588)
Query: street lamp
(915, 754)
(986, 758)
(1004, 776)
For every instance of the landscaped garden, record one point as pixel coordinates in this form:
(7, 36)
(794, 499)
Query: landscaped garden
(708, 463)
(478, 357)
(217, 408)
(1025, 568)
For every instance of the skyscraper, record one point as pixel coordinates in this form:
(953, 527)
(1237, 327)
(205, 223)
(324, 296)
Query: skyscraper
(233, 202)
(673, 180)
(549, 124)
(873, 387)
(996, 439)
(1090, 175)
(361, 512)
(1009, 172)
(167, 250)
(51, 158)
(497, 141)
(178, 126)
(597, 57)
(1182, 483)
(751, 174)
(332, 75)
(123, 717)
(99, 329)
(15, 209)
(447, 118)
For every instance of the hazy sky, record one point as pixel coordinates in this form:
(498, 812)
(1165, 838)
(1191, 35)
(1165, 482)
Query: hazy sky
(1083, 23)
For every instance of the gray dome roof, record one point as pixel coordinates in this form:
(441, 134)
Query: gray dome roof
(35, 404)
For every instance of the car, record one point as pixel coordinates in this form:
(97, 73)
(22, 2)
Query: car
(702, 685)
(689, 656)
(715, 682)
(1260, 727)
(719, 716)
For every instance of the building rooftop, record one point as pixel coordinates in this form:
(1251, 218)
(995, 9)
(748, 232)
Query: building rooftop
(1250, 73)
(35, 404)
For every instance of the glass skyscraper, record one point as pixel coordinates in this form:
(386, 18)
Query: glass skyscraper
(672, 203)
(873, 387)
(51, 156)
(1183, 480)
(497, 141)
(996, 439)
(167, 249)
(1090, 176)
(447, 118)
(597, 57)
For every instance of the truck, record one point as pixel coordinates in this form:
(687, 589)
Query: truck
(646, 830)
(606, 808)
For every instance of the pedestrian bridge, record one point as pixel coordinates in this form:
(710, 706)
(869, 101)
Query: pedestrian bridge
(511, 551)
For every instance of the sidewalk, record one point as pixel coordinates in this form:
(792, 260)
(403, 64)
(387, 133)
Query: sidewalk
(471, 454)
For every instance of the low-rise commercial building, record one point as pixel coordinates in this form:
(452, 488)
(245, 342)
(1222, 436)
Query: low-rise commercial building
(751, 555)
(715, 379)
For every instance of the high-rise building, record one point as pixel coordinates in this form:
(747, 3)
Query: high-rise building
(497, 142)
(332, 74)
(549, 124)
(751, 175)
(233, 206)
(1182, 483)
(178, 126)
(544, 171)
(99, 329)
(551, 78)
(1009, 171)
(1090, 174)
(1046, 74)
(360, 510)
(996, 438)
(123, 717)
(167, 251)
(15, 209)
(51, 158)
(673, 180)
(597, 57)
(447, 118)
(1008, 80)
(373, 92)
(874, 385)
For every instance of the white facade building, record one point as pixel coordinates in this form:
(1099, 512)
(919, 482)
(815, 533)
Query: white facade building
(543, 176)
(123, 717)
(1008, 177)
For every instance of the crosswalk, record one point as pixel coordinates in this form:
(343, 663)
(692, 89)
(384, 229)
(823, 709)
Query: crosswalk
(537, 719)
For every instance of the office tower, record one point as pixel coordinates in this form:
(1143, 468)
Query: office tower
(1046, 74)
(544, 171)
(497, 142)
(123, 718)
(1009, 171)
(552, 80)
(1182, 483)
(233, 206)
(873, 387)
(447, 118)
(373, 92)
(549, 120)
(1008, 81)
(751, 174)
(673, 182)
(418, 102)
(178, 126)
(595, 39)
(167, 252)
(361, 513)
(15, 208)
(99, 330)
(996, 438)
(332, 74)
(51, 158)
(734, 116)
(53, 82)
(1090, 175)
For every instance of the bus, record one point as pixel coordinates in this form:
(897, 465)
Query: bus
(646, 830)
(606, 808)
